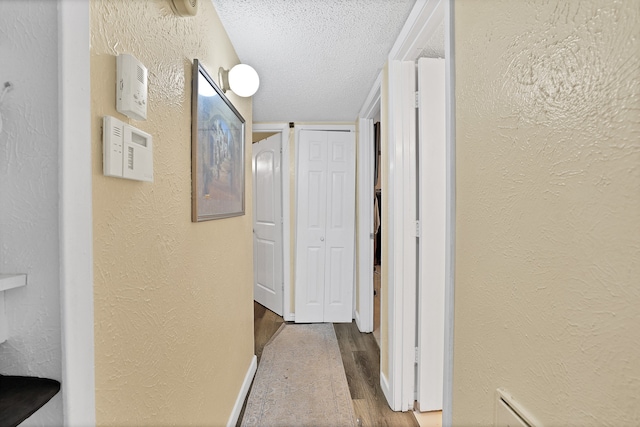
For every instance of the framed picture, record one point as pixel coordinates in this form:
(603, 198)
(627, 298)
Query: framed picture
(217, 151)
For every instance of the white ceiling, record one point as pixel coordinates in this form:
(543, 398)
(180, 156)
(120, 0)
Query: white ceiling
(317, 59)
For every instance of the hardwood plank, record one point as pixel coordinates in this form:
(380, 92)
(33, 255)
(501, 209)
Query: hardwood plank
(361, 358)
(345, 337)
(429, 419)
(353, 375)
(365, 413)
(365, 362)
(265, 324)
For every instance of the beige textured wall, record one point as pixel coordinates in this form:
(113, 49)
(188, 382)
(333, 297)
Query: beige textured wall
(548, 210)
(173, 299)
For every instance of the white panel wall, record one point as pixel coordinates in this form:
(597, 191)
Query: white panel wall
(29, 193)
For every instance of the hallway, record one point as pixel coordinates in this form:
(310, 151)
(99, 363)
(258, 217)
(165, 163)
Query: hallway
(361, 360)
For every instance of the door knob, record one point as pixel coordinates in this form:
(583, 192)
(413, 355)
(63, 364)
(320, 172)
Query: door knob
(322, 239)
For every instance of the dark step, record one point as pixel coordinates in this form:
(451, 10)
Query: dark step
(20, 397)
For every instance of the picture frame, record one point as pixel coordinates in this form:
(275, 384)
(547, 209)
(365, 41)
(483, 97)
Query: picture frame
(217, 151)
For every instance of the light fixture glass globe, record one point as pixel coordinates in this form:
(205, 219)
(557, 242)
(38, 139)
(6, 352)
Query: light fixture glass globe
(243, 80)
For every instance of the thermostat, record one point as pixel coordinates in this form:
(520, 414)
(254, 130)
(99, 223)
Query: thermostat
(131, 87)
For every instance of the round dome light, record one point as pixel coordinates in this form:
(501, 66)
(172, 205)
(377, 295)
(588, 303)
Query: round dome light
(243, 80)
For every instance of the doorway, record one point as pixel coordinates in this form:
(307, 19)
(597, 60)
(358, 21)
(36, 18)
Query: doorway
(272, 289)
(377, 229)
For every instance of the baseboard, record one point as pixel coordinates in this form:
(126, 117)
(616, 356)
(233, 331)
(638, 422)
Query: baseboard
(289, 317)
(384, 384)
(244, 390)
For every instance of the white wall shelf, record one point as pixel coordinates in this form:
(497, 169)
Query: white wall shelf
(8, 281)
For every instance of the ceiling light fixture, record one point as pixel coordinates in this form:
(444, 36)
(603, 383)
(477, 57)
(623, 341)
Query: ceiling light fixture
(242, 80)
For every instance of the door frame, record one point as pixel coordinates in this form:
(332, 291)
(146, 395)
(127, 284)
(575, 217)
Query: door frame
(365, 159)
(449, 298)
(75, 211)
(421, 24)
(433, 228)
(402, 277)
(285, 163)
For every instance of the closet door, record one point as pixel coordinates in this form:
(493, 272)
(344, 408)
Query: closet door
(310, 230)
(325, 233)
(340, 228)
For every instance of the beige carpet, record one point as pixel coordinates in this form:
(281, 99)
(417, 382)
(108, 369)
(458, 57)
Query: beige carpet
(300, 381)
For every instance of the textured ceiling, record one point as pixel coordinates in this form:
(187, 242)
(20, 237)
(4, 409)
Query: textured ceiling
(435, 45)
(317, 59)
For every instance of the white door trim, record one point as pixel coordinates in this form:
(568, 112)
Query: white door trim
(420, 25)
(433, 226)
(283, 129)
(402, 233)
(329, 127)
(364, 312)
(450, 101)
(366, 158)
(365, 165)
(75, 214)
(371, 106)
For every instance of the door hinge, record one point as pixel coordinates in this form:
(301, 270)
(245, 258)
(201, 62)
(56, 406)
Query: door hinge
(416, 356)
(371, 236)
(417, 99)
(417, 228)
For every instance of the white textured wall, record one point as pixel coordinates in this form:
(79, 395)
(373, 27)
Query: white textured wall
(547, 292)
(29, 193)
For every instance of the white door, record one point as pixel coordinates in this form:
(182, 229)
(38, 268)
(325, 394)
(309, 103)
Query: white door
(267, 224)
(325, 230)
(432, 246)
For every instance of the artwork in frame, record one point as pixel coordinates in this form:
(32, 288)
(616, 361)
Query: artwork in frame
(217, 151)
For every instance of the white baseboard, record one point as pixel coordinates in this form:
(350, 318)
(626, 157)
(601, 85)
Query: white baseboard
(384, 384)
(289, 317)
(244, 390)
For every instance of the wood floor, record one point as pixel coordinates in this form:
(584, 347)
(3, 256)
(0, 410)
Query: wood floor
(265, 324)
(361, 360)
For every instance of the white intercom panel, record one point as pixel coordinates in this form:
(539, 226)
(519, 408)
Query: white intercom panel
(127, 152)
(131, 87)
